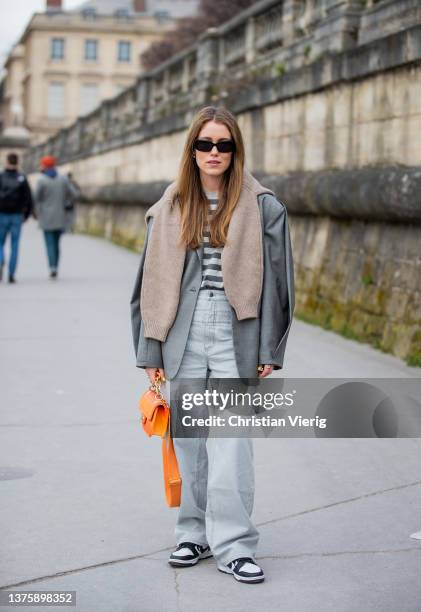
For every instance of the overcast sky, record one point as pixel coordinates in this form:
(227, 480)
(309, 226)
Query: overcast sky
(14, 16)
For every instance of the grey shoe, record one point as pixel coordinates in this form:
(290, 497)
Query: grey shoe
(244, 569)
(188, 553)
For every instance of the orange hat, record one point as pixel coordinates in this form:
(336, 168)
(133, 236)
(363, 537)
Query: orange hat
(48, 161)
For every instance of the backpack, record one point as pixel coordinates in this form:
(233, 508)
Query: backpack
(9, 189)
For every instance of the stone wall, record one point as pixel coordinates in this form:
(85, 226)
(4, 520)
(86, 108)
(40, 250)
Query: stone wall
(350, 148)
(303, 54)
(362, 279)
(123, 224)
(359, 278)
(328, 97)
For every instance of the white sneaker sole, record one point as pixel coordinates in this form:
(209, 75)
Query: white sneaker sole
(226, 570)
(189, 562)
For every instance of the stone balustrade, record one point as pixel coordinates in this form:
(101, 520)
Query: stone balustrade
(270, 40)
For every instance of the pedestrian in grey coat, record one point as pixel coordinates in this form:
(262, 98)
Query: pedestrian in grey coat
(214, 298)
(52, 195)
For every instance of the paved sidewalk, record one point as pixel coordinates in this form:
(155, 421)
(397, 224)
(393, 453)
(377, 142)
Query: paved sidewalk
(82, 502)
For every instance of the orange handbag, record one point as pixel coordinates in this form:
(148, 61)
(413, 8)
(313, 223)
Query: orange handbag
(156, 421)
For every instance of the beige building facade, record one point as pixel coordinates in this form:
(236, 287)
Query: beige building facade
(67, 62)
(12, 95)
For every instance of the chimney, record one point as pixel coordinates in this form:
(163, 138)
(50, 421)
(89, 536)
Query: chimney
(53, 5)
(139, 6)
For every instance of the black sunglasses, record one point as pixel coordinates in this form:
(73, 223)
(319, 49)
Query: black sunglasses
(224, 146)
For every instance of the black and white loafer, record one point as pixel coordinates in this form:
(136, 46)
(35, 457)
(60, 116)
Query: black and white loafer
(188, 553)
(244, 569)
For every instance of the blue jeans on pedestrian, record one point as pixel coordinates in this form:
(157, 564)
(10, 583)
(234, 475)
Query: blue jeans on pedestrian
(217, 473)
(52, 242)
(10, 223)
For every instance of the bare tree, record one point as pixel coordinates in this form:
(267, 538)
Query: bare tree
(216, 12)
(211, 14)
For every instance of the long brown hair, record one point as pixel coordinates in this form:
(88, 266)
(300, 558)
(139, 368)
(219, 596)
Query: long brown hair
(189, 192)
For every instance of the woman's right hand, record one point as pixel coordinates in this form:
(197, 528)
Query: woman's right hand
(151, 374)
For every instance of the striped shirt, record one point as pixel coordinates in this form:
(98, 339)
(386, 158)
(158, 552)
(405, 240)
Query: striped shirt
(211, 263)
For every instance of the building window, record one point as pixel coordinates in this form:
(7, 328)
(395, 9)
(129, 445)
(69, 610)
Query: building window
(57, 48)
(161, 16)
(89, 13)
(56, 100)
(91, 49)
(88, 98)
(124, 50)
(122, 13)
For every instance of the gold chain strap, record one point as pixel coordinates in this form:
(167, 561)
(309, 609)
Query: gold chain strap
(156, 387)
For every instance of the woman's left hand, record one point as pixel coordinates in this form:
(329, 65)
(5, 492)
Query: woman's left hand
(267, 370)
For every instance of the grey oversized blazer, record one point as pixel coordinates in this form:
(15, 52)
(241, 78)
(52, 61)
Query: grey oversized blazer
(259, 340)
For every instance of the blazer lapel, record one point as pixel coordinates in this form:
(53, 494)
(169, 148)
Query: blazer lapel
(199, 252)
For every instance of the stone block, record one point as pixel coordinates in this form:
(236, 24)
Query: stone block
(374, 328)
(393, 143)
(314, 149)
(413, 308)
(315, 244)
(335, 261)
(404, 340)
(292, 155)
(307, 280)
(273, 153)
(273, 117)
(413, 148)
(294, 112)
(387, 273)
(370, 142)
(364, 102)
(390, 244)
(354, 263)
(413, 86)
(339, 315)
(396, 304)
(396, 86)
(406, 275)
(382, 86)
(391, 334)
(372, 299)
(316, 111)
(356, 323)
(371, 239)
(323, 313)
(338, 144)
(340, 101)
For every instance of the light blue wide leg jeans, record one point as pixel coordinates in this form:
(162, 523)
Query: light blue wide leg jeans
(217, 473)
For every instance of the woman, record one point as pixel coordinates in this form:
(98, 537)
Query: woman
(214, 297)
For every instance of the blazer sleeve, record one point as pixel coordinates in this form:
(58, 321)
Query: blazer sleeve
(39, 193)
(278, 295)
(148, 351)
